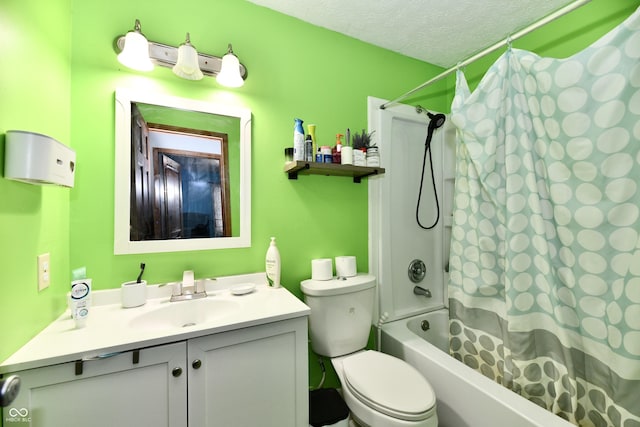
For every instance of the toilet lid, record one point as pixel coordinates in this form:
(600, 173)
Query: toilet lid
(389, 385)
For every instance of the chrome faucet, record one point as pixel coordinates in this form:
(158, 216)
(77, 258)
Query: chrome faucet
(188, 289)
(422, 291)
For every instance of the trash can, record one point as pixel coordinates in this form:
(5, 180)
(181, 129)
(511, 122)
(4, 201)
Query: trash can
(327, 408)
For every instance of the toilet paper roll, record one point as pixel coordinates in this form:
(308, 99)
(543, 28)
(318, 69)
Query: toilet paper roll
(347, 156)
(133, 294)
(346, 266)
(322, 269)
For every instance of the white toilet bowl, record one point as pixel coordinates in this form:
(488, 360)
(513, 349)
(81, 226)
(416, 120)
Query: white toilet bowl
(383, 391)
(380, 390)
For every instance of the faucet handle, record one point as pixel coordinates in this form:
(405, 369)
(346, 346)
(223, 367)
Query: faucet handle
(176, 289)
(200, 285)
(187, 278)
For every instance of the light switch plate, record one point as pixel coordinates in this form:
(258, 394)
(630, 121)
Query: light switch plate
(44, 271)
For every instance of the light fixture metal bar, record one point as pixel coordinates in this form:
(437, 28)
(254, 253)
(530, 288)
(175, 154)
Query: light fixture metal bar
(167, 56)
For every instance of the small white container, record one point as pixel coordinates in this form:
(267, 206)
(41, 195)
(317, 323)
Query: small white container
(325, 150)
(347, 156)
(133, 294)
(373, 157)
(359, 158)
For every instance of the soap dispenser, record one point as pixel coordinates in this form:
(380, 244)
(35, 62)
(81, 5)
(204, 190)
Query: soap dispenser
(272, 264)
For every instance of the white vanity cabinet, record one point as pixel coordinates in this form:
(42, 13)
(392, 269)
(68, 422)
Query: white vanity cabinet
(134, 388)
(242, 378)
(250, 377)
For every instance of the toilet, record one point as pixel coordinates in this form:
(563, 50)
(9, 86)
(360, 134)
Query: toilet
(380, 390)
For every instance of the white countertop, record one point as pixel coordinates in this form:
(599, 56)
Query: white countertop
(111, 328)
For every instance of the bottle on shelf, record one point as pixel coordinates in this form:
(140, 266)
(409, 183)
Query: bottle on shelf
(311, 130)
(336, 152)
(298, 140)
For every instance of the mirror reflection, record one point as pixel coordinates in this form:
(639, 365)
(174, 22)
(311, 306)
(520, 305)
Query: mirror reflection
(180, 175)
(187, 181)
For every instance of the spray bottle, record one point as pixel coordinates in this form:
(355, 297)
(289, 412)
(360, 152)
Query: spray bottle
(311, 130)
(308, 149)
(298, 140)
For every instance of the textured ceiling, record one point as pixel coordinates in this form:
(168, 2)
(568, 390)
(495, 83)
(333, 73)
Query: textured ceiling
(441, 32)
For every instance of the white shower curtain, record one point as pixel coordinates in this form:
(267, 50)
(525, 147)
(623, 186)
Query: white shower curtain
(545, 253)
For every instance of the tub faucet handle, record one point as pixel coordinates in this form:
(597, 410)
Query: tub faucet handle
(422, 291)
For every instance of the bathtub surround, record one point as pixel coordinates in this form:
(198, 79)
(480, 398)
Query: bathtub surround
(545, 247)
(466, 398)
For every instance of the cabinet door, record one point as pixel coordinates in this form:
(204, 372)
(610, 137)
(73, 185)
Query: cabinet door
(250, 377)
(111, 391)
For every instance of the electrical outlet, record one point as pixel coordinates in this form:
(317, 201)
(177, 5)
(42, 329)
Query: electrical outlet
(44, 271)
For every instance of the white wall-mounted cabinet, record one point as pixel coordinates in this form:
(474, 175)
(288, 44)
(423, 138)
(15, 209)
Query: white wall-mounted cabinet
(38, 159)
(246, 377)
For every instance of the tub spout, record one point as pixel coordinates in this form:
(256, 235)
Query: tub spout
(422, 291)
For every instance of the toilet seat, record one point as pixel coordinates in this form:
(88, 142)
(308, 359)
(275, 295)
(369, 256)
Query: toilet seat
(389, 385)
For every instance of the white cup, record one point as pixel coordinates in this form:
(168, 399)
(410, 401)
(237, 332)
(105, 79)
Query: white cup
(133, 294)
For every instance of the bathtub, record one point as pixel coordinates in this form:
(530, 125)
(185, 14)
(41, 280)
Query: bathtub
(465, 397)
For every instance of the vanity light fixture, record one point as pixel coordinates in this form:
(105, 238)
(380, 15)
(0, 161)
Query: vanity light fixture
(230, 70)
(185, 61)
(187, 66)
(135, 50)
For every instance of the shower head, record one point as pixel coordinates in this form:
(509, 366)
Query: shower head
(435, 120)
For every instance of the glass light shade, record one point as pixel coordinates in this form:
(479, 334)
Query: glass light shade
(187, 66)
(136, 52)
(229, 75)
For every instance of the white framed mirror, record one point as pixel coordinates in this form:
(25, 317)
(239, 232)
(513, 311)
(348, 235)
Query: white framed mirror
(182, 174)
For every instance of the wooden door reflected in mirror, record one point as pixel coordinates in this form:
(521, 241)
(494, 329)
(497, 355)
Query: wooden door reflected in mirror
(188, 176)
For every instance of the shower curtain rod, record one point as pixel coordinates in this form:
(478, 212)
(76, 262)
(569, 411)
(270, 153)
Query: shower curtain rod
(551, 17)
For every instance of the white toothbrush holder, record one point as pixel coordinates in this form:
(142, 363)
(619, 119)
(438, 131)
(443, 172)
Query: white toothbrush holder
(134, 294)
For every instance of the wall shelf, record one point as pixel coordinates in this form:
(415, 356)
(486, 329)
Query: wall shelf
(295, 168)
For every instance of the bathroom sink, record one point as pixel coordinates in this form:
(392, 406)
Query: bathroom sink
(184, 314)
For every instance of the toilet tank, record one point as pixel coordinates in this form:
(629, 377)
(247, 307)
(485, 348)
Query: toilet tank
(341, 313)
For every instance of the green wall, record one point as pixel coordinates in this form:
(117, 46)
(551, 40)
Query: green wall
(35, 95)
(63, 85)
(294, 70)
